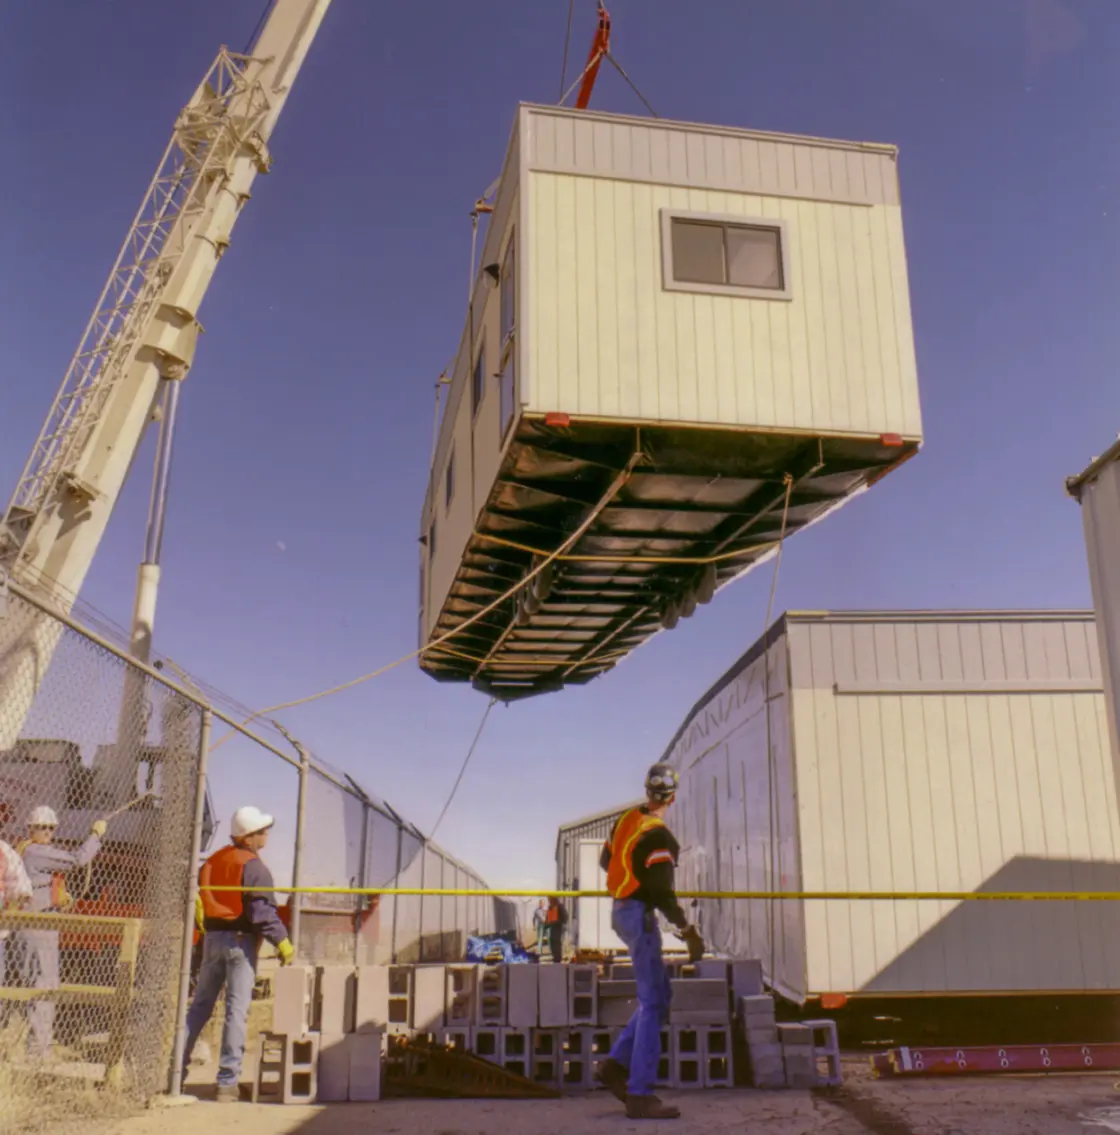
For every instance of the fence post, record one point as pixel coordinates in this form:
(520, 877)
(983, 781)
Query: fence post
(396, 883)
(192, 893)
(297, 859)
(361, 900)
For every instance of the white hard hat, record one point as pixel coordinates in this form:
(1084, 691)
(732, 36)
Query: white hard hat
(42, 817)
(249, 821)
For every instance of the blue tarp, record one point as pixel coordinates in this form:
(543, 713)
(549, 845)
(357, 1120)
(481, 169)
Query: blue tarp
(497, 949)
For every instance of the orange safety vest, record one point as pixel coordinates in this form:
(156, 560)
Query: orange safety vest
(552, 914)
(60, 896)
(225, 868)
(621, 880)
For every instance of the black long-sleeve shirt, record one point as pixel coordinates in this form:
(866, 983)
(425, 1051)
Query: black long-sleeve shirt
(654, 862)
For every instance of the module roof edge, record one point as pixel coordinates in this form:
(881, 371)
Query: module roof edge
(887, 148)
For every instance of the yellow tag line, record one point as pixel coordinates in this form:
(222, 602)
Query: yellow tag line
(835, 896)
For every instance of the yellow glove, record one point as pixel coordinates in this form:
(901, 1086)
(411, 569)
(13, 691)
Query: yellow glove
(286, 952)
(199, 914)
(99, 828)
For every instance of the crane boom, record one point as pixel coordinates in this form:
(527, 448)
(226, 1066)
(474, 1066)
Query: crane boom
(143, 332)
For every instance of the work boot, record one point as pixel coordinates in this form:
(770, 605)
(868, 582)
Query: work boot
(613, 1076)
(228, 1093)
(650, 1107)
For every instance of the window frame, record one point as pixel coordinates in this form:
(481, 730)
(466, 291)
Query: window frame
(670, 283)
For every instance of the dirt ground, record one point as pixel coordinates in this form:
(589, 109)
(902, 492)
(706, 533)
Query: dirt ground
(1065, 1105)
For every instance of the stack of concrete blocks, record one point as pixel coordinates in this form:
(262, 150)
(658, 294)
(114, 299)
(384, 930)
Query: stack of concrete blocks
(798, 1056)
(826, 1052)
(764, 1049)
(287, 1067)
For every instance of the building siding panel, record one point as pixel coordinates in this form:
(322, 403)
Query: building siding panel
(833, 359)
(929, 752)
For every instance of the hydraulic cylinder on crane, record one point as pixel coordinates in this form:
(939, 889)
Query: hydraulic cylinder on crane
(140, 339)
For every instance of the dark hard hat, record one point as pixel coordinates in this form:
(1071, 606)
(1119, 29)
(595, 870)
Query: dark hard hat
(662, 782)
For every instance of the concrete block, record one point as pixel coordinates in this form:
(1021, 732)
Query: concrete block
(371, 1012)
(711, 969)
(801, 1070)
(795, 1036)
(622, 971)
(490, 996)
(719, 1064)
(428, 994)
(334, 1067)
(615, 1012)
(459, 998)
(826, 1051)
(553, 996)
(400, 1000)
(613, 988)
(701, 993)
(583, 994)
(487, 1043)
(768, 1072)
(545, 1056)
(365, 1067)
(746, 979)
(301, 1067)
(666, 1066)
(272, 1068)
(292, 994)
(516, 1050)
(754, 1010)
(688, 1058)
(521, 996)
(762, 1036)
(337, 996)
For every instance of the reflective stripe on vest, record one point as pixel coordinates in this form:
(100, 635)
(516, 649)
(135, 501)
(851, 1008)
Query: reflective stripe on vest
(621, 880)
(225, 868)
(60, 896)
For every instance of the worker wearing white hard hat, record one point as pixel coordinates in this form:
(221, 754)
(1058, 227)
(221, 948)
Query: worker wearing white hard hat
(234, 922)
(46, 866)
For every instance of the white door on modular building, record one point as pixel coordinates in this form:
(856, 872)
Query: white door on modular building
(593, 916)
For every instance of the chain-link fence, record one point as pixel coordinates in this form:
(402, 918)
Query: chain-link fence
(104, 823)
(98, 772)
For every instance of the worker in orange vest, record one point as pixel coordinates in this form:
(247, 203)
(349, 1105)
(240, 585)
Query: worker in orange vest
(640, 859)
(233, 923)
(555, 919)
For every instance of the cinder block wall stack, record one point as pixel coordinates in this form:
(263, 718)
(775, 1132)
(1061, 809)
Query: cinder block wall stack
(554, 1024)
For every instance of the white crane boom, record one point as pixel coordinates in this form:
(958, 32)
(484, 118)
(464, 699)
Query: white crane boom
(143, 332)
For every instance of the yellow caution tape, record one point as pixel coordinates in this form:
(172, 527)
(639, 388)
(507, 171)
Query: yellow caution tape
(814, 896)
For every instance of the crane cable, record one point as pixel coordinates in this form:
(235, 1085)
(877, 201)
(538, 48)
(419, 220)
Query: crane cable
(466, 761)
(529, 576)
(567, 44)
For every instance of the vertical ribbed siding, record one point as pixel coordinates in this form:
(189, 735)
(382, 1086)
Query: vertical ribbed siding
(960, 787)
(736, 820)
(610, 341)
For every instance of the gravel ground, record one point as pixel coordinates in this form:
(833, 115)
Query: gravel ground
(1021, 1105)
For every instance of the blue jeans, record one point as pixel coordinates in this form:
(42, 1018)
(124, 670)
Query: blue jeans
(639, 1044)
(229, 961)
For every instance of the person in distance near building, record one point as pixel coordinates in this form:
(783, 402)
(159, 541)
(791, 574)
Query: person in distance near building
(556, 920)
(233, 924)
(640, 859)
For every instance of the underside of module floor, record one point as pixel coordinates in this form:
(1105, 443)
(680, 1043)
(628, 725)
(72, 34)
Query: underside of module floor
(691, 517)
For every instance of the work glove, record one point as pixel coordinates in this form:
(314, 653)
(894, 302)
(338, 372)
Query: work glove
(199, 914)
(99, 828)
(692, 938)
(286, 952)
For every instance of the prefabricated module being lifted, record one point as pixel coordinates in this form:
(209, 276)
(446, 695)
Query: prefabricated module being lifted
(676, 332)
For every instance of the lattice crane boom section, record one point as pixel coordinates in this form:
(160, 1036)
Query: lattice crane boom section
(144, 326)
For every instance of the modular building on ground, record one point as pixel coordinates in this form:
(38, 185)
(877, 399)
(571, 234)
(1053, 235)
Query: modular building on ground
(902, 753)
(675, 330)
(578, 847)
(1097, 490)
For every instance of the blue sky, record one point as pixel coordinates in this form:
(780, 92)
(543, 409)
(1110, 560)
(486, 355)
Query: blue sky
(290, 558)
